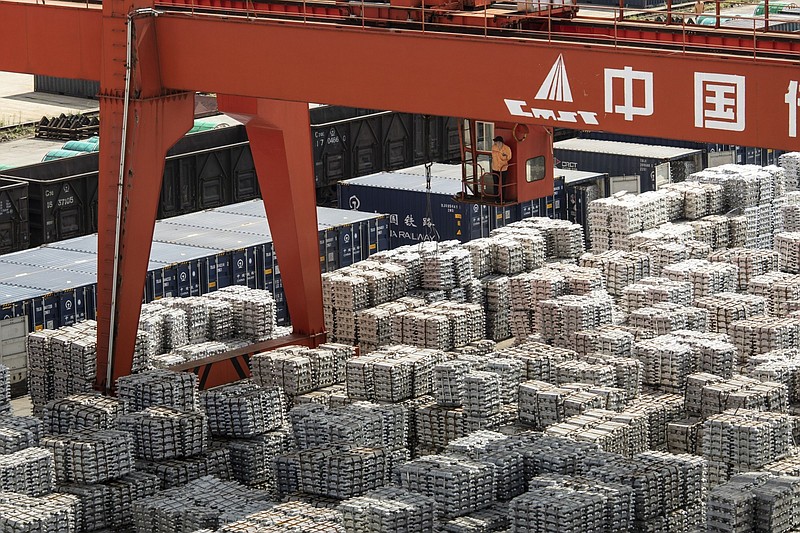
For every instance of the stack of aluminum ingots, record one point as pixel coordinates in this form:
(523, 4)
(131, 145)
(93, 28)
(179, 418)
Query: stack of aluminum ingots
(532, 242)
(707, 394)
(618, 503)
(459, 486)
(755, 501)
(646, 240)
(243, 409)
(780, 290)
(220, 320)
(164, 433)
(252, 458)
(498, 312)
(561, 317)
(745, 440)
(200, 504)
(389, 510)
(790, 163)
(580, 280)
(660, 409)
(667, 362)
(540, 359)
(649, 291)
(563, 239)
(699, 199)
(666, 487)
(82, 411)
(620, 269)
(714, 351)
(669, 253)
(624, 433)
(780, 366)
(289, 516)
(297, 369)
(759, 335)
(791, 212)
(707, 278)
(607, 340)
(665, 317)
(528, 288)
(482, 260)
(751, 263)
(54, 513)
(177, 390)
(18, 433)
(787, 245)
(508, 257)
(31, 471)
(253, 310)
(628, 372)
(724, 308)
(90, 457)
(394, 373)
(197, 315)
(446, 269)
(442, 325)
(375, 325)
(579, 371)
(684, 436)
(542, 404)
(744, 185)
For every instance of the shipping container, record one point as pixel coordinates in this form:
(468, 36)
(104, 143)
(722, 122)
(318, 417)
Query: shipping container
(632, 167)
(62, 197)
(713, 154)
(14, 225)
(404, 197)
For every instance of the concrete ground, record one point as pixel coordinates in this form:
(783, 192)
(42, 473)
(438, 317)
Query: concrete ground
(21, 406)
(19, 103)
(28, 151)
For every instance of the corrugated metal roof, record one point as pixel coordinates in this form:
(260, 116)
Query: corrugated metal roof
(166, 253)
(329, 217)
(87, 243)
(52, 279)
(253, 208)
(624, 149)
(209, 238)
(408, 182)
(12, 293)
(577, 176)
(223, 221)
(54, 258)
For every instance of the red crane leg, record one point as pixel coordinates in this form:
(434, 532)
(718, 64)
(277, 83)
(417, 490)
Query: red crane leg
(153, 126)
(280, 139)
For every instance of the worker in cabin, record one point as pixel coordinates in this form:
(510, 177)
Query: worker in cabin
(501, 155)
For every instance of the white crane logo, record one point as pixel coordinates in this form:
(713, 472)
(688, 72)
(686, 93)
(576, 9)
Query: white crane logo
(556, 85)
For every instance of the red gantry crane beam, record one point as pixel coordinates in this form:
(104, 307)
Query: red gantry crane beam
(266, 70)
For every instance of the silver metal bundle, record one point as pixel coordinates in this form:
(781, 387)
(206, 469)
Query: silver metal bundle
(764, 285)
(558, 509)
(743, 185)
(579, 280)
(199, 504)
(459, 486)
(685, 436)
(529, 287)
(665, 233)
(580, 371)
(446, 270)
(699, 199)
(542, 404)
(790, 211)
(55, 513)
(663, 318)
(724, 308)
(561, 317)
(496, 291)
(649, 291)
(164, 388)
(618, 498)
(494, 518)
(220, 320)
(628, 371)
(436, 426)
(18, 433)
(481, 397)
(746, 440)
(668, 253)
(787, 245)
(91, 456)
(385, 281)
(540, 359)
(556, 455)
(243, 409)
(178, 472)
(755, 502)
(529, 239)
(82, 411)
(31, 471)
(790, 163)
(707, 278)
(408, 257)
(780, 366)
(563, 239)
(286, 517)
(252, 459)
(511, 372)
(341, 471)
(253, 310)
(622, 433)
(604, 340)
(743, 392)
(764, 334)
(621, 213)
(448, 382)
(751, 262)
(197, 314)
(667, 362)
(660, 409)
(164, 433)
(393, 373)
(345, 292)
(389, 510)
(481, 252)
(508, 257)
(40, 368)
(786, 296)
(619, 268)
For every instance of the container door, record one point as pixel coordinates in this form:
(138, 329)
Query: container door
(663, 175)
(170, 287)
(345, 234)
(80, 303)
(225, 276)
(13, 353)
(625, 183)
(269, 268)
(397, 148)
(186, 279)
(366, 145)
(45, 312)
(723, 157)
(245, 182)
(66, 306)
(382, 235)
(357, 230)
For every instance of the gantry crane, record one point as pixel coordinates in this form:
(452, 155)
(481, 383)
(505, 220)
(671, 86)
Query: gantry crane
(524, 70)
